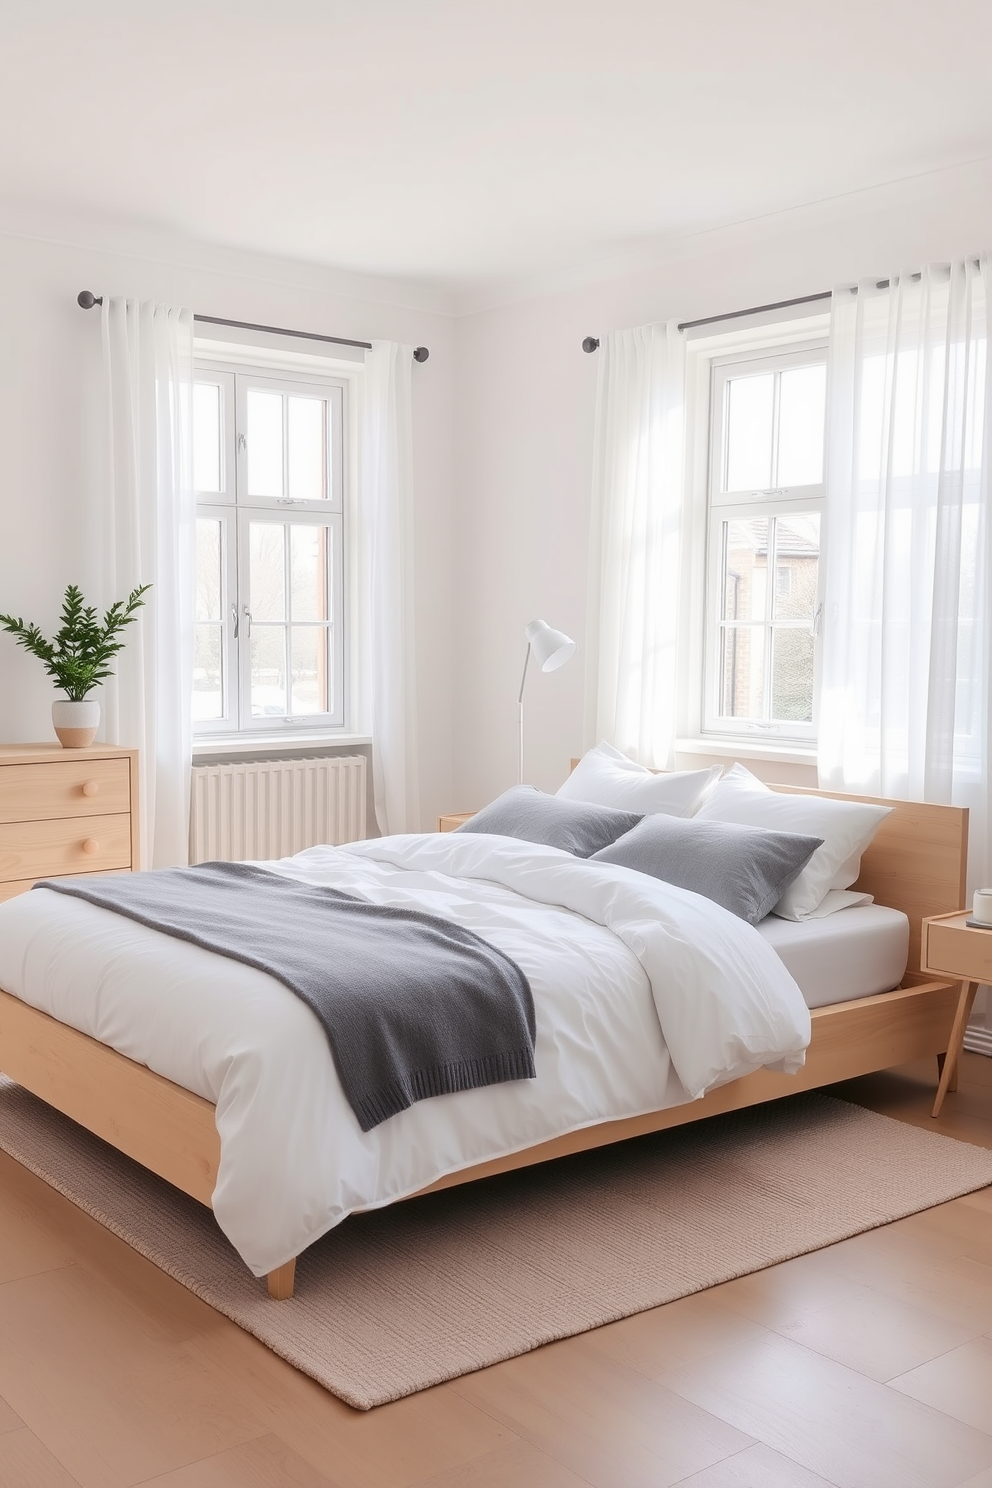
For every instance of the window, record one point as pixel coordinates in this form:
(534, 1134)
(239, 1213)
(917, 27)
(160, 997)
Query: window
(268, 462)
(764, 527)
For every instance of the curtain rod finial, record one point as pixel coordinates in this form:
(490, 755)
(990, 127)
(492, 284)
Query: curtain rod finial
(591, 343)
(86, 299)
(420, 353)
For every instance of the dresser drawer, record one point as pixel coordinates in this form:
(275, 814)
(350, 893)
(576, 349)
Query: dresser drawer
(64, 788)
(10, 888)
(49, 849)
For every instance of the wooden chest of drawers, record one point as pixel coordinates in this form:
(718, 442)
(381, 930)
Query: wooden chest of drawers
(65, 811)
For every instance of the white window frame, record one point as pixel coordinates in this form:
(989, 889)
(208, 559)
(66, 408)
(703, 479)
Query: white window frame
(234, 508)
(721, 506)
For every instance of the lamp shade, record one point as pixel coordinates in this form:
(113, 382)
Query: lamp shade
(551, 648)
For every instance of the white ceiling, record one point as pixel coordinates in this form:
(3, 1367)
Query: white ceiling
(468, 142)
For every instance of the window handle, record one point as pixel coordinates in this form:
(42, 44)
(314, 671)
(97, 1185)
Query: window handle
(242, 443)
(234, 617)
(815, 626)
(247, 614)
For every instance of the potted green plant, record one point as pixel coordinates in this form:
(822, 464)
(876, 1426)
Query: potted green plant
(78, 656)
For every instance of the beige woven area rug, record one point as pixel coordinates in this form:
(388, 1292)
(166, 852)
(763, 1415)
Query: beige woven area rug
(398, 1300)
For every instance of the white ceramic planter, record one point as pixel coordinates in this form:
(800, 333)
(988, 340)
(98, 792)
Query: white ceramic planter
(76, 723)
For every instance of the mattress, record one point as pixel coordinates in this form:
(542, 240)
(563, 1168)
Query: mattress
(853, 953)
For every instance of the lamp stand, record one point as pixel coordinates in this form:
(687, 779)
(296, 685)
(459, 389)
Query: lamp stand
(520, 720)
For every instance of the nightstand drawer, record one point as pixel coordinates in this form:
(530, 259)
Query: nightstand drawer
(64, 788)
(953, 948)
(50, 849)
(452, 820)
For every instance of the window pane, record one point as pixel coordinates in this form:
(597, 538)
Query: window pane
(742, 671)
(308, 572)
(792, 674)
(267, 575)
(268, 671)
(745, 569)
(309, 681)
(797, 561)
(208, 673)
(749, 433)
(264, 436)
(208, 570)
(306, 449)
(206, 436)
(802, 402)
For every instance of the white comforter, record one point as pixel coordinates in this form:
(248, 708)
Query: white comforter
(646, 996)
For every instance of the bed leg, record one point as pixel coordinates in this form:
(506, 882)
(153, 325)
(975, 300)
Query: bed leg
(280, 1281)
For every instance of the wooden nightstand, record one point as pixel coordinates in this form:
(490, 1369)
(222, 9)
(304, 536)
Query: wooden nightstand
(453, 819)
(951, 947)
(66, 811)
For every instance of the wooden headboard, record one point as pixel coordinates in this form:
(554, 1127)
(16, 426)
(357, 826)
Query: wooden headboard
(917, 861)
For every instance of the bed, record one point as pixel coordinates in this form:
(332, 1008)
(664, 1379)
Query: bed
(915, 866)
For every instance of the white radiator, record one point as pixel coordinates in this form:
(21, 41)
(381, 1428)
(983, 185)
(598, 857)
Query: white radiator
(272, 808)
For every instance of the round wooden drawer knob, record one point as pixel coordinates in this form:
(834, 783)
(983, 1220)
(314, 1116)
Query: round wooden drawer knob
(91, 846)
(91, 788)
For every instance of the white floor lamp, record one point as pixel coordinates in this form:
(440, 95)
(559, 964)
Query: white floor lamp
(551, 648)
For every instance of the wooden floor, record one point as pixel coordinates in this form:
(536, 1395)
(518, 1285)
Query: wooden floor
(865, 1365)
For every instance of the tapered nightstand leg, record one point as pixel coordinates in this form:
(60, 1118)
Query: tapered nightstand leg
(953, 1083)
(949, 1072)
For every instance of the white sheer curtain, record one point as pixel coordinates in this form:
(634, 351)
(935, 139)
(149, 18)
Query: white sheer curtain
(636, 543)
(386, 523)
(906, 644)
(148, 538)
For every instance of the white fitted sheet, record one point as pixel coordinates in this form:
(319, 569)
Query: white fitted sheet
(853, 953)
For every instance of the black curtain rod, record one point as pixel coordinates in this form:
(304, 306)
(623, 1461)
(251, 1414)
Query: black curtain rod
(591, 343)
(688, 325)
(86, 300)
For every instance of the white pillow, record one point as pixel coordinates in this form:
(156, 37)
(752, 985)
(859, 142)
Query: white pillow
(605, 777)
(836, 899)
(846, 827)
(848, 872)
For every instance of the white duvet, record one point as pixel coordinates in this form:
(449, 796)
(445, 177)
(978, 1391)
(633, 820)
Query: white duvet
(645, 995)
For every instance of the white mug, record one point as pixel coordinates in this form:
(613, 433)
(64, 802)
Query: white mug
(983, 906)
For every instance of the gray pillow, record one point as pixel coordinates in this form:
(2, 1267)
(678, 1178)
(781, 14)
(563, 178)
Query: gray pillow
(746, 869)
(530, 815)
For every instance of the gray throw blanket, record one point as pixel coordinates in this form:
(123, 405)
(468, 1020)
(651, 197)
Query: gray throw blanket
(412, 1004)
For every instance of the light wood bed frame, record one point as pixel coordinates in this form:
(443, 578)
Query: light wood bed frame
(916, 863)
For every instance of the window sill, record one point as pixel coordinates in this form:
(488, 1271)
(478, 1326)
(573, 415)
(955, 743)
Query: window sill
(205, 748)
(786, 754)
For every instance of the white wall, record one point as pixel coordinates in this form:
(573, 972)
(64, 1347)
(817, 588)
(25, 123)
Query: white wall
(503, 432)
(525, 397)
(50, 372)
